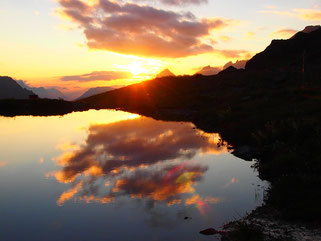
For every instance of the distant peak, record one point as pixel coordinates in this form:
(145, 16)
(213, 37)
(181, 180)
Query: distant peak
(208, 70)
(164, 73)
(311, 28)
(307, 29)
(239, 64)
(230, 69)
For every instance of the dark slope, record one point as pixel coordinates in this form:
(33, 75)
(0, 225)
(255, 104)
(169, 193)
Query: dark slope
(95, 91)
(290, 54)
(10, 89)
(164, 73)
(49, 93)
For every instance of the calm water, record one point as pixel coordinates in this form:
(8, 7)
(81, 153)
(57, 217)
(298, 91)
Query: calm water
(107, 175)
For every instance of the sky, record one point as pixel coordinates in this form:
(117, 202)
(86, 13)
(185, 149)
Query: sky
(77, 44)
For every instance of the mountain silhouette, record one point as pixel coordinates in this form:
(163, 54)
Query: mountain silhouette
(300, 51)
(10, 89)
(239, 64)
(165, 73)
(95, 91)
(208, 70)
(271, 69)
(48, 93)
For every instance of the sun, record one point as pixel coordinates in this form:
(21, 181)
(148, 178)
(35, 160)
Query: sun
(136, 68)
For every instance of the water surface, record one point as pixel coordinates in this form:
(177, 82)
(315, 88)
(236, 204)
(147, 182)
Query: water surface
(111, 175)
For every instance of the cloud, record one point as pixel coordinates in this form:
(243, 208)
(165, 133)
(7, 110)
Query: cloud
(283, 33)
(98, 75)
(249, 35)
(301, 13)
(236, 54)
(183, 2)
(124, 145)
(225, 38)
(178, 3)
(151, 185)
(132, 157)
(141, 30)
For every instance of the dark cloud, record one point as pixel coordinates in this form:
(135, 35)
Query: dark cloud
(142, 30)
(134, 154)
(98, 75)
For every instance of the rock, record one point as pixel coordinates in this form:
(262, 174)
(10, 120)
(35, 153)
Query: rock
(211, 231)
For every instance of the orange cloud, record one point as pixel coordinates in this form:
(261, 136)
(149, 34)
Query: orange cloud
(249, 35)
(196, 199)
(92, 198)
(70, 193)
(142, 30)
(147, 184)
(283, 33)
(124, 146)
(301, 13)
(183, 2)
(225, 38)
(98, 75)
(234, 54)
(126, 160)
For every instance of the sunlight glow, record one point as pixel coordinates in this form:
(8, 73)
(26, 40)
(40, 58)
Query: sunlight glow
(136, 68)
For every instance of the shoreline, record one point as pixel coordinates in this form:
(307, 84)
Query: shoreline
(264, 223)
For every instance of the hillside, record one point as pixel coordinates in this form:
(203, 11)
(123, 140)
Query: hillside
(302, 51)
(95, 91)
(10, 89)
(48, 93)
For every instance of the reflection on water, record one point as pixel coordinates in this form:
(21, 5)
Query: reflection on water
(90, 175)
(140, 158)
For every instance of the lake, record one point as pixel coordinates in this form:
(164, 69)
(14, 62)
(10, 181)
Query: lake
(112, 175)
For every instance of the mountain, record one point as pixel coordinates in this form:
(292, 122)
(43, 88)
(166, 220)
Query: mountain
(239, 64)
(48, 93)
(95, 91)
(302, 51)
(10, 89)
(165, 73)
(275, 68)
(208, 70)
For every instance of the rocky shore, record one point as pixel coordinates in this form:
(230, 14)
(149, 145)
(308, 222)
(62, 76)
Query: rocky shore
(265, 224)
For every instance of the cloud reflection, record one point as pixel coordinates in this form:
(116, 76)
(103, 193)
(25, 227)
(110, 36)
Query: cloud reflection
(138, 158)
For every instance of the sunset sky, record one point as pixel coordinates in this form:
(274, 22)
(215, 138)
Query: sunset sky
(77, 44)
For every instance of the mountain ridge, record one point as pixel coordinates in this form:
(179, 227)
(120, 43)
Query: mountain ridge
(10, 89)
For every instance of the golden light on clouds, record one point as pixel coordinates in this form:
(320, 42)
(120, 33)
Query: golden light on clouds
(283, 33)
(136, 68)
(131, 158)
(69, 194)
(302, 13)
